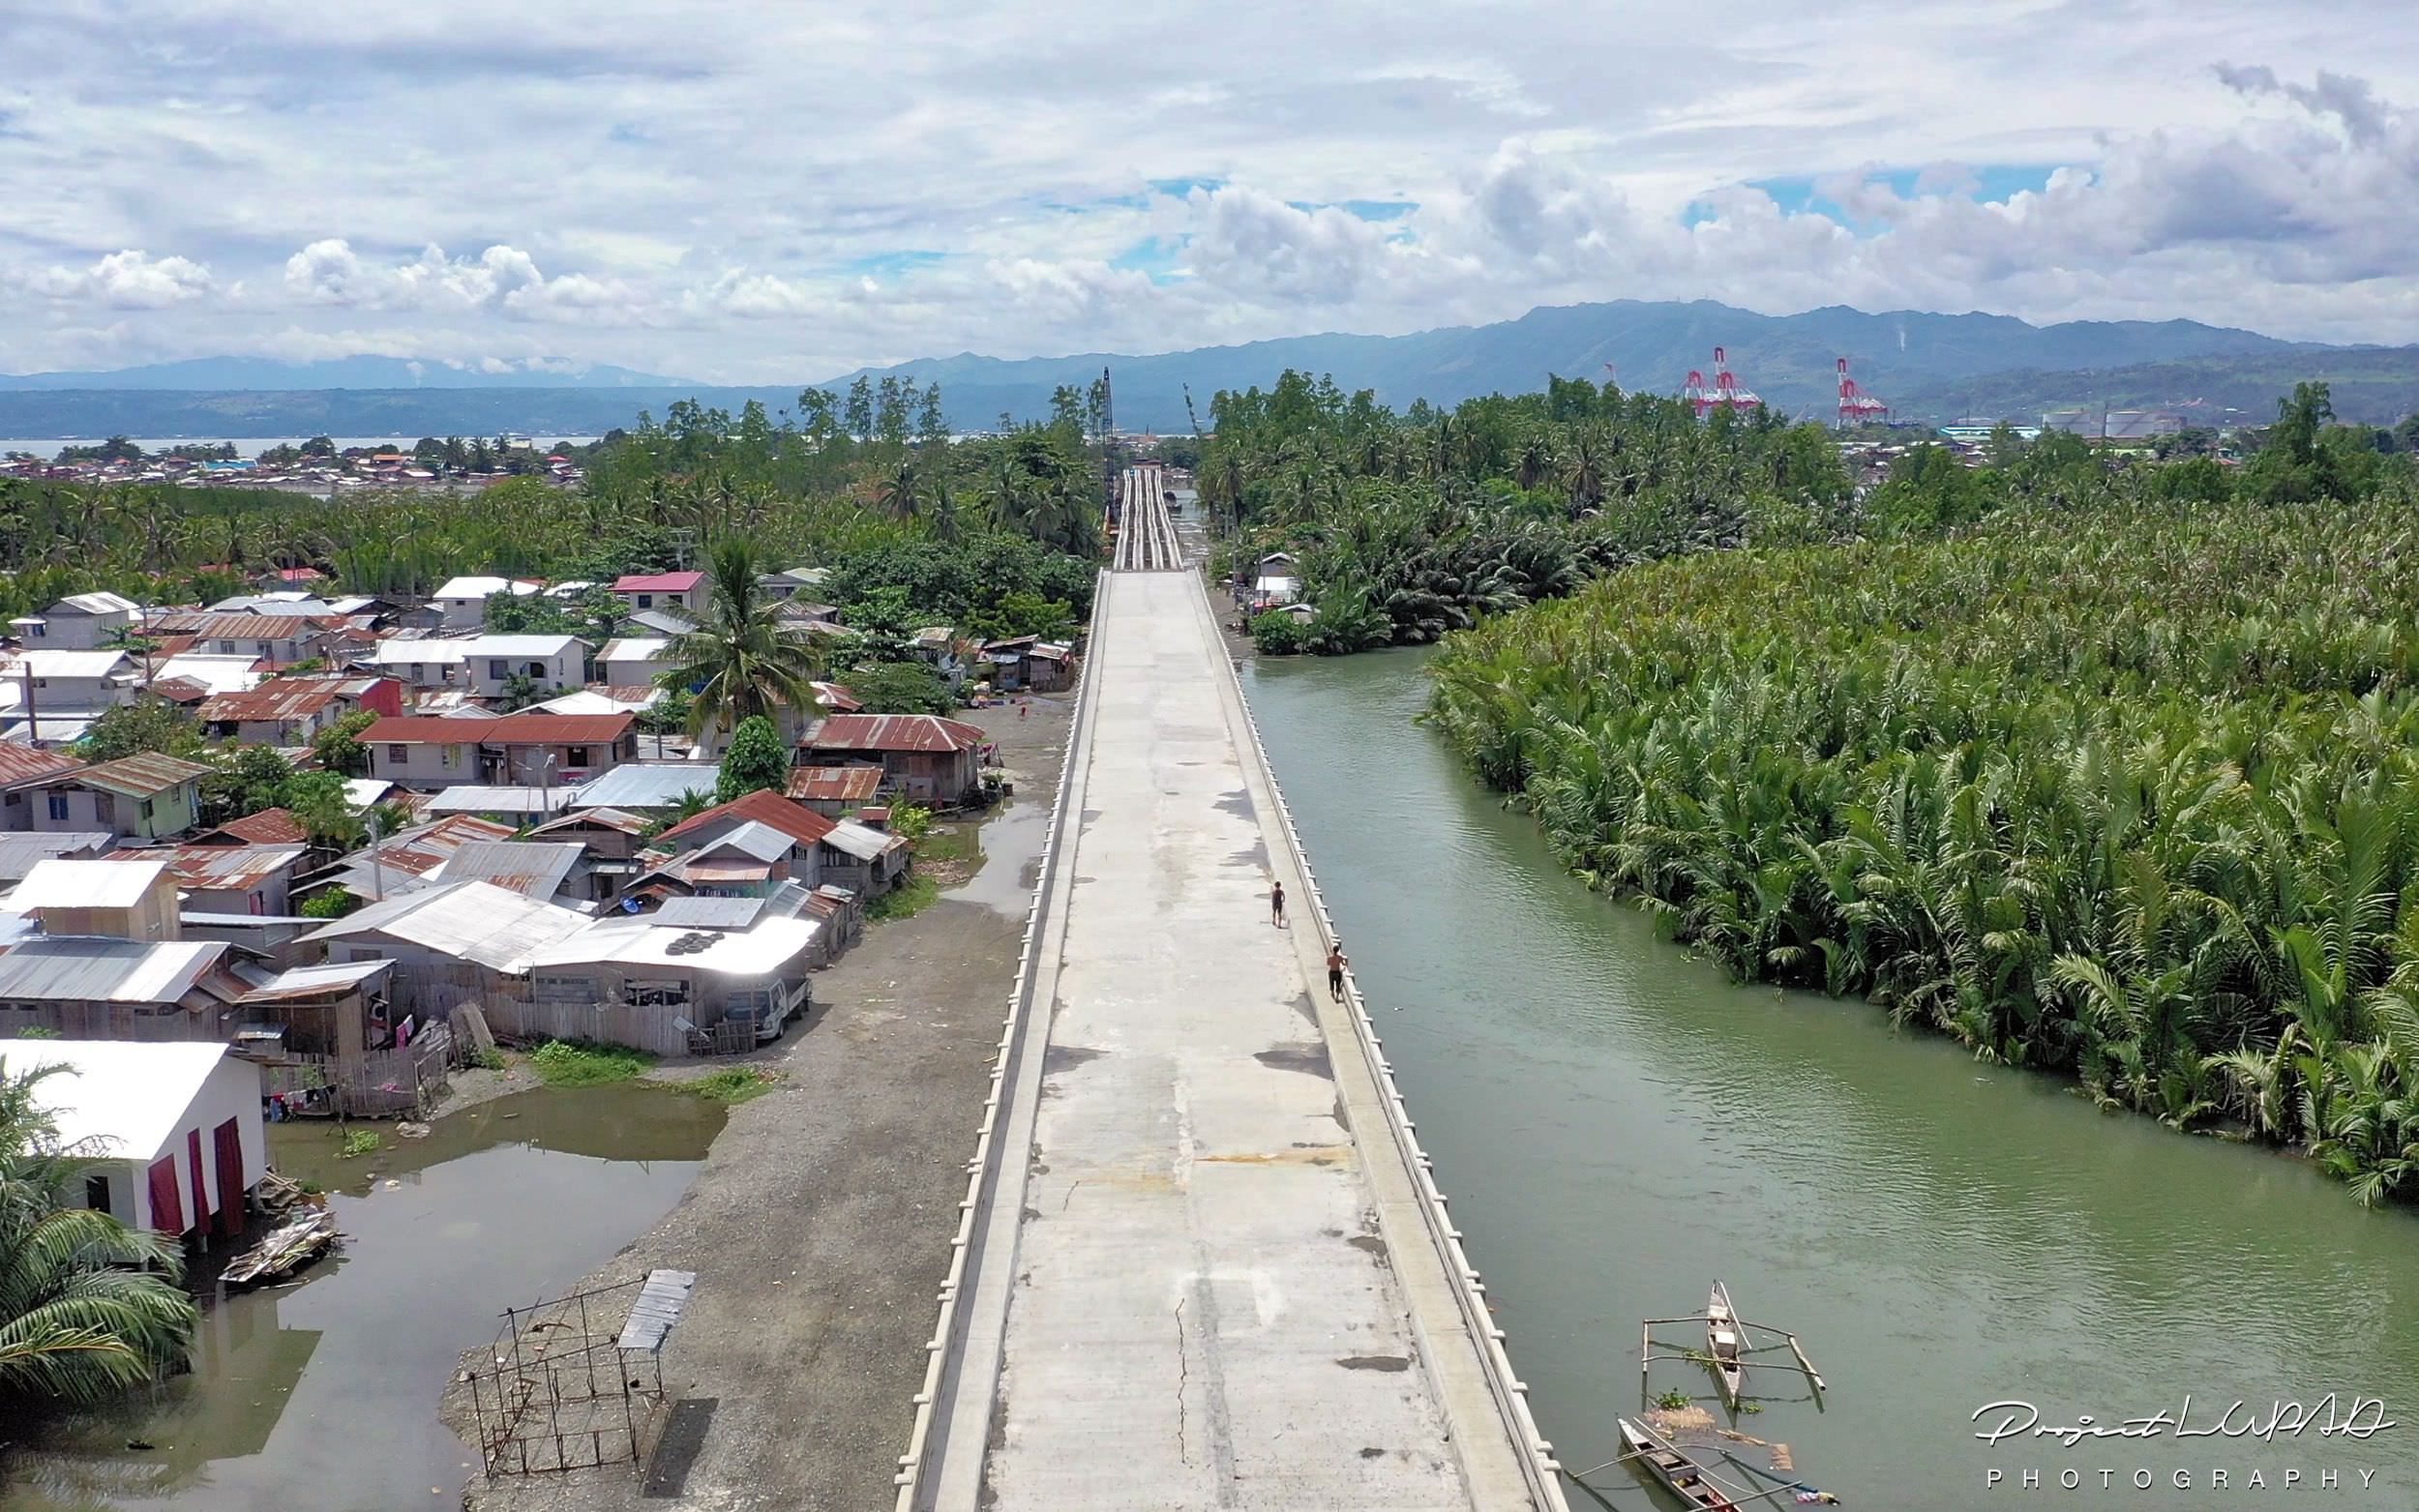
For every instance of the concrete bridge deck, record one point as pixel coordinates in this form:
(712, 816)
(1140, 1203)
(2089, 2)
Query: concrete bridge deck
(1201, 1280)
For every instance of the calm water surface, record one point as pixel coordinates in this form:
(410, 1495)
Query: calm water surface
(320, 1395)
(1618, 1124)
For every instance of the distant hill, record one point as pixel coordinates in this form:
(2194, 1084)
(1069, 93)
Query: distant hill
(1787, 359)
(259, 373)
(1927, 367)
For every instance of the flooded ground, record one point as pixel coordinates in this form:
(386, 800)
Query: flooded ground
(319, 1393)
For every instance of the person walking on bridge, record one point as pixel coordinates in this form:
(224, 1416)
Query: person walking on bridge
(1276, 905)
(1335, 970)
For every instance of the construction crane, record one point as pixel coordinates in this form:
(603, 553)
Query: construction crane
(1856, 407)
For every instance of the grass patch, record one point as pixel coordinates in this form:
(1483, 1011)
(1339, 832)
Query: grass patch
(904, 900)
(730, 1087)
(577, 1063)
(956, 843)
(486, 1057)
(358, 1143)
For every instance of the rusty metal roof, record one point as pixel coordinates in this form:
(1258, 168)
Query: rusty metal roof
(25, 764)
(217, 869)
(510, 729)
(142, 776)
(834, 784)
(766, 808)
(533, 869)
(284, 697)
(894, 732)
(268, 827)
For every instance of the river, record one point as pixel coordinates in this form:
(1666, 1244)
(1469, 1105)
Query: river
(319, 1395)
(1618, 1123)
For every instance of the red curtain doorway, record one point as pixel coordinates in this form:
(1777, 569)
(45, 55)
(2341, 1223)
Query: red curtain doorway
(228, 1142)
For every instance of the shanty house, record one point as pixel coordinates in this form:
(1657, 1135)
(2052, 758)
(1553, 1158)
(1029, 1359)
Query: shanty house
(451, 942)
(279, 639)
(525, 749)
(125, 898)
(923, 757)
(398, 863)
(178, 1127)
(141, 797)
(94, 987)
(650, 981)
(834, 791)
(753, 844)
(552, 870)
(647, 785)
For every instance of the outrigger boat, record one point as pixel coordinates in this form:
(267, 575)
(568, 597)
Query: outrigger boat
(1722, 1342)
(1680, 1474)
(1729, 1351)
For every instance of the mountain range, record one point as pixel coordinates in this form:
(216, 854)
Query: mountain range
(1927, 367)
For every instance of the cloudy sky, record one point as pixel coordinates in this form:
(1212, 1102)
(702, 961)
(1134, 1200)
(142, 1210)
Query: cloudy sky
(762, 193)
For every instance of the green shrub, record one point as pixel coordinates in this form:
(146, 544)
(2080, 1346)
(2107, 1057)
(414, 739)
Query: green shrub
(734, 1085)
(358, 1143)
(579, 1063)
(1279, 633)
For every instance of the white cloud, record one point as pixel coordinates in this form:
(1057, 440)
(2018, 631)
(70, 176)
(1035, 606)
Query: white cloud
(130, 279)
(659, 189)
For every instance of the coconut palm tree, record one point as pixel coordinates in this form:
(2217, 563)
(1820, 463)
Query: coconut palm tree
(88, 1307)
(741, 660)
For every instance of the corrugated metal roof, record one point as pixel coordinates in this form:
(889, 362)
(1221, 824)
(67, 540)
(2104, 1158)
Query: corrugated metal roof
(834, 784)
(127, 1099)
(105, 884)
(619, 820)
(602, 701)
(634, 648)
(142, 776)
(20, 854)
(250, 627)
(220, 673)
(416, 853)
(96, 603)
(268, 827)
(484, 588)
(318, 981)
(478, 922)
(763, 807)
(91, 968)
(836, 699)
(219, 869)
(533, 869)
(71, 664)
(514, 729)
(658, 582)
(707, 913)
(284, 699)
(862, 840)
(519, 645)
(477, 798)
(407, 651)
(894, 732)
(25, 764)
(635, 942)
(646, 785)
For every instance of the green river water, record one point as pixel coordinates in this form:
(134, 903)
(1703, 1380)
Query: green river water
(1617, 1124)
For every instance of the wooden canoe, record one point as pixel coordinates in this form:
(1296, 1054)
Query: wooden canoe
(1722, 1342)
(1680, 1474)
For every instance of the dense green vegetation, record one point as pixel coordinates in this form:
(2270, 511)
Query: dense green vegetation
(843, 475)
(1411, 525)
(2121, 780)
(88, 1307)
(581, 1064)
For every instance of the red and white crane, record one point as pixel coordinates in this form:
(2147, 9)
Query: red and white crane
(1856, 407)
(1725, 393)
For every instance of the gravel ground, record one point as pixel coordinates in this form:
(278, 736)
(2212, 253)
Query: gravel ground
(819, 1227)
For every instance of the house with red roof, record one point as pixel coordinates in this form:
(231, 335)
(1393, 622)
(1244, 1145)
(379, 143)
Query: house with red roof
(682, 591)
(527, 749)
(22, 769)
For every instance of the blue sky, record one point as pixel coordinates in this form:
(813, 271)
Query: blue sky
(740, 193)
